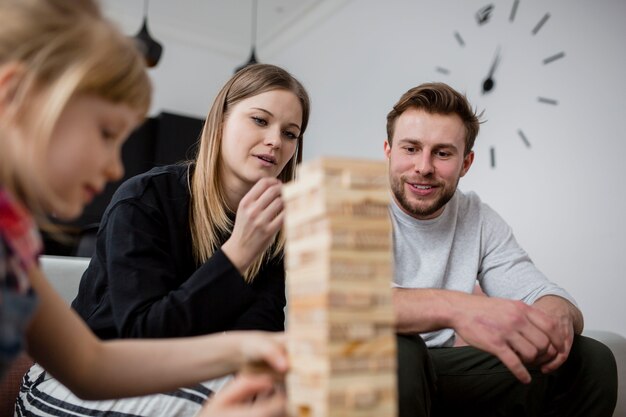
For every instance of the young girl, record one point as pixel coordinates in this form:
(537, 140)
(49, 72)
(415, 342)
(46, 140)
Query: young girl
(71, 89)
(196, 248)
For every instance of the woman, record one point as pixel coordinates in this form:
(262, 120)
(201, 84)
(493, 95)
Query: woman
(196, 248)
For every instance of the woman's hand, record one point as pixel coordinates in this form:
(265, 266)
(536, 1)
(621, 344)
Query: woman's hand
(259, 217)
(247, 396)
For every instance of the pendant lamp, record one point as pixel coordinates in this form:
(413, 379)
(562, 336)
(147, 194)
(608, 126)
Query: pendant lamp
(149, 47)
(252, 60)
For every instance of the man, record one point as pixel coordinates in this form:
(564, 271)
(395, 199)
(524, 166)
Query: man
(445, 241)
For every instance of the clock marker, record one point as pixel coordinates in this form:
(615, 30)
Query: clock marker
(524, 138)
(484, 14)
(542, 22)
(553, 58)
(547, 101)
(442, 70)
(459, 39)
(513, 11)
(492, 153)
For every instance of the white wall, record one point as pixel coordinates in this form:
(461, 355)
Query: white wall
(564, 197)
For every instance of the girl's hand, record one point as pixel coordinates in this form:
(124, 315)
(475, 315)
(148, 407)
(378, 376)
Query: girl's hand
(259, 217)
(246, 396)
(263, 352)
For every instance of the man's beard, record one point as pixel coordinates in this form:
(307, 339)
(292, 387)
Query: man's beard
(416, 210)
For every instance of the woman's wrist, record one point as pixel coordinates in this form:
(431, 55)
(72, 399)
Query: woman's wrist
(236, 255)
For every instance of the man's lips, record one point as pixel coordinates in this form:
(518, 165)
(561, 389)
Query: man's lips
(422, 189)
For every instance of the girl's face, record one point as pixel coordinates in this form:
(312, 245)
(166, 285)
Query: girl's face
(260, 136)
(84, 153)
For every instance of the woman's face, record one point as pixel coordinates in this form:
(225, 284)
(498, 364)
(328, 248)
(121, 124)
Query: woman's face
(260, 136)
(84, 153)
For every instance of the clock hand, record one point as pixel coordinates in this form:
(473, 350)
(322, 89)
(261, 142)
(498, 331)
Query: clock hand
(489, 82)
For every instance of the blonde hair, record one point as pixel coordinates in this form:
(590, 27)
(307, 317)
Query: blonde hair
(209, 217)
(63, 48)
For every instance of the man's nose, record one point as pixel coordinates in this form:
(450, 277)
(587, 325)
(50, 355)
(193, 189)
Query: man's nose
(424, 164)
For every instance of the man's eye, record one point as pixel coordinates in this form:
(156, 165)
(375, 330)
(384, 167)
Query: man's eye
(260, 121)
(410, 149)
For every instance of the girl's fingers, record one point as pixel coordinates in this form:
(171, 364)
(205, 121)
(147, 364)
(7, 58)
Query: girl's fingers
(242, 389)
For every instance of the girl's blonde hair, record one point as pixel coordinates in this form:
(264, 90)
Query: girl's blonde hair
(209, 217)
(61, 49)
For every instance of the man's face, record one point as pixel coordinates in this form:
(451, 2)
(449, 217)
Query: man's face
(426, 161)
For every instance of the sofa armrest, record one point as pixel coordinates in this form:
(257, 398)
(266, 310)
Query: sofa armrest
(64, 273)
(617, 344)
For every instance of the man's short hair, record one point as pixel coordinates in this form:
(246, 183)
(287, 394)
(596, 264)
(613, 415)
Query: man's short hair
(437, 98)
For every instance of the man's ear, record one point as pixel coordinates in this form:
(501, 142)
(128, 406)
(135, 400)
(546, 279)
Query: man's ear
(387, 148)
(467, 163)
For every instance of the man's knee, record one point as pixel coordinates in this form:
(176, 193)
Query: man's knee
(416, 377)
(588, 379)
(595, 361)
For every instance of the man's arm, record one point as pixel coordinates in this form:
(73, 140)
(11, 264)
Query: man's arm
(420, 310)
(514, 332)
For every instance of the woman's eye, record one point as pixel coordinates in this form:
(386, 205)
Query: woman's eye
(290, 135)
(260, 121)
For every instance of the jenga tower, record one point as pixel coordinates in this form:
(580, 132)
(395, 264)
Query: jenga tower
(341, 337)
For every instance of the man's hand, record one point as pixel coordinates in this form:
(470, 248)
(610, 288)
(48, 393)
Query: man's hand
(518, 334)
(569, 322)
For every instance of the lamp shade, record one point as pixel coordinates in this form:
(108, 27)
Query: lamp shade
(149, 47)
(251, 61)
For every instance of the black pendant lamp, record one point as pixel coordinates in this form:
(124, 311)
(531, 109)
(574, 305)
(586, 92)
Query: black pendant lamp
(149, 47)
(252, 60)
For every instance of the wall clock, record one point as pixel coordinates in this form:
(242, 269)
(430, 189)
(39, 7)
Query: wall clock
(503, 53)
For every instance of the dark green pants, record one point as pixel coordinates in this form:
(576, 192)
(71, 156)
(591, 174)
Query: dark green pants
(465, 381)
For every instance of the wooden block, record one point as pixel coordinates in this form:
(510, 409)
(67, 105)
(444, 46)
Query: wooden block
(383, 345)
(349, 173)
(309, 263)
(340, 332)
(346, 396)
(313, 310)
(305, 205)
(343, 264)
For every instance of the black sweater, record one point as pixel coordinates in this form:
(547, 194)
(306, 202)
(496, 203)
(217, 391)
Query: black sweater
(143, 281)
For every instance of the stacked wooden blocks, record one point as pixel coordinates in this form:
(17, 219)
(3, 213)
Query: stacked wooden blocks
(339, 268)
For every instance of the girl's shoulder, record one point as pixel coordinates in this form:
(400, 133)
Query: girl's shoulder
(19, 236)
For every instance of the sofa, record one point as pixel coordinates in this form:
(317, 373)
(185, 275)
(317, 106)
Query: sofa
(65, 272)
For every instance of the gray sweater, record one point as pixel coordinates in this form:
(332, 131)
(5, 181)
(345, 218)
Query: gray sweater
(469, 241)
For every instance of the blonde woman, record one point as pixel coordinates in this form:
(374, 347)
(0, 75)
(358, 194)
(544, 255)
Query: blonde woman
(71, 89)
(196, 248)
